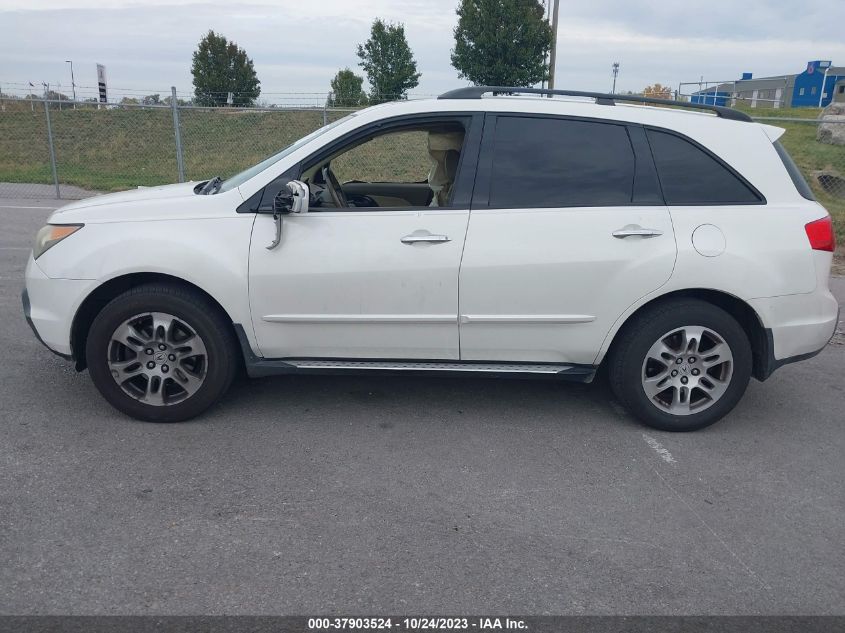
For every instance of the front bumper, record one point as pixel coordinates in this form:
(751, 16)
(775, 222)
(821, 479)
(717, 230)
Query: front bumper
(49, 306)
(27, 309)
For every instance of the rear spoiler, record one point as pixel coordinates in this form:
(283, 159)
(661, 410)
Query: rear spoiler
(773, 132)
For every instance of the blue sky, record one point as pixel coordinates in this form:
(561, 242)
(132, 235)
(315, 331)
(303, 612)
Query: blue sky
(297, 46)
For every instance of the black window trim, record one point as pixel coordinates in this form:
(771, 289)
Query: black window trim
(798, 180)
(644, 167)
(761, 199)
(473, 192)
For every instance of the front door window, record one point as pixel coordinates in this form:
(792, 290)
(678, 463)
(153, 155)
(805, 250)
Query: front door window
(408, 167)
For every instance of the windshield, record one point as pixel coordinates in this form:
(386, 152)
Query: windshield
(238, 179)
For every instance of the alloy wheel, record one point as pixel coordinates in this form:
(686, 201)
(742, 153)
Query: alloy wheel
(687, 370)
(157, 358)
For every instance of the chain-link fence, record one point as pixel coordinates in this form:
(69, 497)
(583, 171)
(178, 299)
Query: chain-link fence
(817, 145)
(67, 149)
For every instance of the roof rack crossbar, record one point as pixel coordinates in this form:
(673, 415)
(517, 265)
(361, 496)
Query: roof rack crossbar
(476, 92)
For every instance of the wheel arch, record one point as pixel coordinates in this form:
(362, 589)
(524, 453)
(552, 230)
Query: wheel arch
(745, 315)
(105, 292)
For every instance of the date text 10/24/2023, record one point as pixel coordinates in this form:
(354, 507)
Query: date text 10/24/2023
(417, 623)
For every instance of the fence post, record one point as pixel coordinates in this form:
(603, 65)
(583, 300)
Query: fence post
(52, 149)
(180, 165)
(326, 109)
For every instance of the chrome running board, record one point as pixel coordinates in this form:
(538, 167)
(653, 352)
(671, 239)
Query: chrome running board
(257, 366)
(392, 365)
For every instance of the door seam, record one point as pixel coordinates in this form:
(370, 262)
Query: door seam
(466, 230)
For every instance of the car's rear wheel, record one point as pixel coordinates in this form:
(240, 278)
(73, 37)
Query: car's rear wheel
(681, 365)
(161, 353)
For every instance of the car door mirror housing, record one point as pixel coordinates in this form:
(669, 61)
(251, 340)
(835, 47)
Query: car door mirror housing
(293, 198)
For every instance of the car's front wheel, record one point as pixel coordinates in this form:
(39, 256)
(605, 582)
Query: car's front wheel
(161, 353)
(681, 365)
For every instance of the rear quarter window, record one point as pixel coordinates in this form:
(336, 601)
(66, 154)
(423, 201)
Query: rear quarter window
(690, 175)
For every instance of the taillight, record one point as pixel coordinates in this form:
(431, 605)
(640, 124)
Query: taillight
(820, 233)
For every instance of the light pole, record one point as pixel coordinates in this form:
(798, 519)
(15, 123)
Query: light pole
(824, 81)
(615, 72)
(72, 82)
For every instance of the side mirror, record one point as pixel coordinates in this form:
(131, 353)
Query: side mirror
(292, 199)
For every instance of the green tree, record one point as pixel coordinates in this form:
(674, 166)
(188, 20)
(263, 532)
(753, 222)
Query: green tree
(389, 63)
(220, 67)
(347, 91)
(52, 95)
(168, 100)
(502, 42)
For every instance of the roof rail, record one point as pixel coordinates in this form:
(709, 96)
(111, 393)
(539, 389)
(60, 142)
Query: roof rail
(476, 92)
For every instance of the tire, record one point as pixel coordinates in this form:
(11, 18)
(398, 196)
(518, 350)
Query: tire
(161, 353)
(693, 358)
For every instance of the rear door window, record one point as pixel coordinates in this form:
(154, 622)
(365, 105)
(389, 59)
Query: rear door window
(548, 162)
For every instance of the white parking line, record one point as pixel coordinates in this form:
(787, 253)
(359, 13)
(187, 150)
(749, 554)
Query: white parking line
(712, 531)
(3, 206)
(664, 453)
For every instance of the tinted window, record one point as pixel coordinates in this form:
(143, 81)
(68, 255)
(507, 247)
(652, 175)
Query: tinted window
(689, 175)
(540, 162)
(794, 173)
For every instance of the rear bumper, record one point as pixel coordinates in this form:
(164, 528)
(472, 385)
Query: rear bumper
(798, 326)
(773, 363)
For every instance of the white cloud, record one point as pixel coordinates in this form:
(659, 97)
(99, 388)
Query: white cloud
(147, 44)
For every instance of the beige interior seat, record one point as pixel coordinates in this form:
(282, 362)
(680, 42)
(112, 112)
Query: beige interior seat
(445, 151)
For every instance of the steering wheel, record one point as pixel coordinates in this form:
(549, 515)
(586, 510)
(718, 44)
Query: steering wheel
(335, 190)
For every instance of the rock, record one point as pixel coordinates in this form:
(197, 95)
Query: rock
(831, 181)
(832, 125)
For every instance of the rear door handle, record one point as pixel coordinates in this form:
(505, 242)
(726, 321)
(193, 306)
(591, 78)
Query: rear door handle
(424, 237)
(635, 230)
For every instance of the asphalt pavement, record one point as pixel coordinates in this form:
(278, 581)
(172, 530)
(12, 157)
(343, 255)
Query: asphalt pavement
(369, 495)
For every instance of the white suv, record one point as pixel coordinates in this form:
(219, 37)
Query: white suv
(474, 233)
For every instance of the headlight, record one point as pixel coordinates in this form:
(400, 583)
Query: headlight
(51, 235)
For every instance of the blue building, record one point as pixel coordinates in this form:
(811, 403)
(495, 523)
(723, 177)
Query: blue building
(816, 86)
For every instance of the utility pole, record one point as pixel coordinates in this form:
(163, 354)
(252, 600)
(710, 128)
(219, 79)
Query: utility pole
(615, 72)
(72, 82)
(546, 54)
(553, 52)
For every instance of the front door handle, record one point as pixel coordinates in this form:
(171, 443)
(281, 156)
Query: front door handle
(413, 238)
(636, 230)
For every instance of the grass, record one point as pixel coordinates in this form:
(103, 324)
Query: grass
(114, 149)
(110, 150)
(811, 156)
